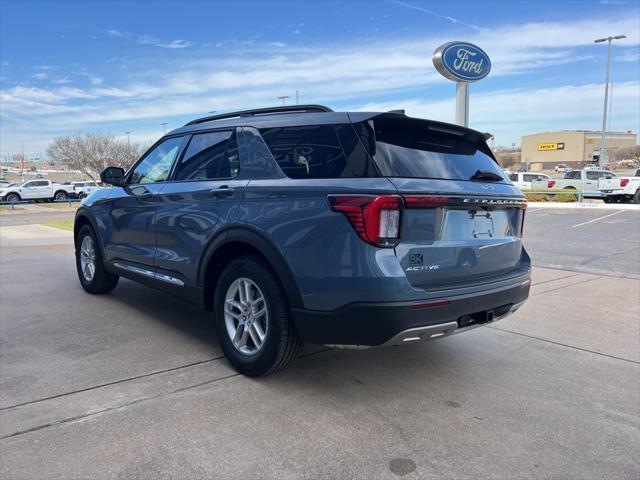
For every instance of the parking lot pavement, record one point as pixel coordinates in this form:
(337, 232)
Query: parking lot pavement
(603, 242)
(134, 385)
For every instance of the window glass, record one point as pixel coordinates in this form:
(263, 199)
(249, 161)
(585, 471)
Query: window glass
(573, 174)
(29, 184)
(209, 156)
(406, 147)
(513, 177)
(307, 151)
(156, 165)
(594, 175)
(530, 177)
(608, 175)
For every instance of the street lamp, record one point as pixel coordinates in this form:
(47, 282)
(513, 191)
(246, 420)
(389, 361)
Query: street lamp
(128, 139)
(283, 98)
(164, 127)
(603, 153)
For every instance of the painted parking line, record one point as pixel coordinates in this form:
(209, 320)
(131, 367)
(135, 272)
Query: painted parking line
(596, 219)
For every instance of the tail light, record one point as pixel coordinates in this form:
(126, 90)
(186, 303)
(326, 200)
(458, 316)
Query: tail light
(550, 184)
(624, 182)
(376, 219)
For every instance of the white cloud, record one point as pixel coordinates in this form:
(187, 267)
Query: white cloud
(39, 76)
(149, 40)
(436, 15)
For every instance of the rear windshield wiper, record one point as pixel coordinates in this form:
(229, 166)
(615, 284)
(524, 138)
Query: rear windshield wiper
(484, 176)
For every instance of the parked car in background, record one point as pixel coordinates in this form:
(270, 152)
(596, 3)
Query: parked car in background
(36, 190)
(621, 189)
(562, 167)
(83, 189)
(303, 224)
(524, 180)
(585, 181)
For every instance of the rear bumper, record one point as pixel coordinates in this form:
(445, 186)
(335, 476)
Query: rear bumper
(395, 323)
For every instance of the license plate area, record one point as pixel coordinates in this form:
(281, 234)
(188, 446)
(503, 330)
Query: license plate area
(476, 224)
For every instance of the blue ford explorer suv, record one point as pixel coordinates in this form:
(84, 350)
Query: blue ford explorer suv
(297, 224)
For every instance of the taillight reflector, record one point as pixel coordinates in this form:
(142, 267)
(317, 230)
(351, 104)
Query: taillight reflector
(376, 219)
(550, 184)
(441, 302)
(423, 201)
(624, 182)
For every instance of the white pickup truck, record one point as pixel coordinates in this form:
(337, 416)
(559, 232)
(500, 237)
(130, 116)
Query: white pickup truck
(36, 190)
(585, 180)
(524, 180)
(621, 189)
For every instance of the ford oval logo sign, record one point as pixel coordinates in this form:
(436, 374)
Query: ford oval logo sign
(461, 62)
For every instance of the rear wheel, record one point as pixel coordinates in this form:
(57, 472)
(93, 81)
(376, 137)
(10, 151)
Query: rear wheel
(252, 318)
(60, 195)
(92, 274)
(636, 197)
(606, 199)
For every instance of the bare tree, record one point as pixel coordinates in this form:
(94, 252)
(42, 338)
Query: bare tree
(91, 153)
(628, 153)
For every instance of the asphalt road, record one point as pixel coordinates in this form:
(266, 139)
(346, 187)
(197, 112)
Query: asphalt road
(134, 385)
(605, 242)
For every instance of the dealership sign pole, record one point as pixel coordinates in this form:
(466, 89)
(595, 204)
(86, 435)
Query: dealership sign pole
(463, 63)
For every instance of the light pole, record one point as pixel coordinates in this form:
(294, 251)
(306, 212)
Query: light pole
(283, 98)
(128, 139)
(603, 152)
(164, 127)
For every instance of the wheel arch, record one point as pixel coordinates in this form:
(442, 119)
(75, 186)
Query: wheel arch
(237, 241)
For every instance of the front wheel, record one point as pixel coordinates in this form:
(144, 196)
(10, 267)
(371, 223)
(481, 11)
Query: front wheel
(92, 274)
(13, 197)
(252, 318)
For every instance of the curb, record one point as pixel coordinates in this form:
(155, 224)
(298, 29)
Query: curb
(598, 206)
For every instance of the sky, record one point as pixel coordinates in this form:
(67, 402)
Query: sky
(117, 66)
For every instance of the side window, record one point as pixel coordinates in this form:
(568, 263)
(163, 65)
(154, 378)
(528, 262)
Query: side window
(608, 175)
(210, 156)
(29, 185)
(42, 184)
(307, 151)
(593, 175)
(513, 177)
(156, 165)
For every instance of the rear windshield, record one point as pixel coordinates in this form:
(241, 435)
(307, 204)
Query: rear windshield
(405, 147)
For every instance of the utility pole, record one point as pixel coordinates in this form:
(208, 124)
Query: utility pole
(603, 151)
(164, 127)
(128, 139)
(283, 98)
(297, 98)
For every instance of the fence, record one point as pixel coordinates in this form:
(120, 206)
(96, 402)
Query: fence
(34, 201)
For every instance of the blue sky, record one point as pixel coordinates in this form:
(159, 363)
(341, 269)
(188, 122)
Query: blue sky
(130, 66)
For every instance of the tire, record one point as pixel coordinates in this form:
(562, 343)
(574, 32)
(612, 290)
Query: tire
(606, 199)
(60, 195)
(100, 281)
(280, 341)
(12, 197)
(636, 197)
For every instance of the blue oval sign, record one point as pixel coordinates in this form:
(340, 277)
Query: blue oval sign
(461, 62)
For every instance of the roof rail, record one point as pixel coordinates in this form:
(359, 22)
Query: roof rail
(263, 111)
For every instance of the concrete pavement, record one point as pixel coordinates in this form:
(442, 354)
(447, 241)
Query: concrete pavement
(134, 385)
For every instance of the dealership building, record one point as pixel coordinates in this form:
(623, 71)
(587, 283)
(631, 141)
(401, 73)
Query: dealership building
(576, 148)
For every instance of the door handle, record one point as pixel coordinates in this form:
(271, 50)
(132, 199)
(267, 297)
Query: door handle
(223, 191)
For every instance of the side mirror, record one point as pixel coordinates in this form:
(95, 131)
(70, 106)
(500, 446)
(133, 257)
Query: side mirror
(113, 176)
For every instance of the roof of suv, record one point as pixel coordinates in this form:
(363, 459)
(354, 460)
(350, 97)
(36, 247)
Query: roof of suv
(301, 115)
